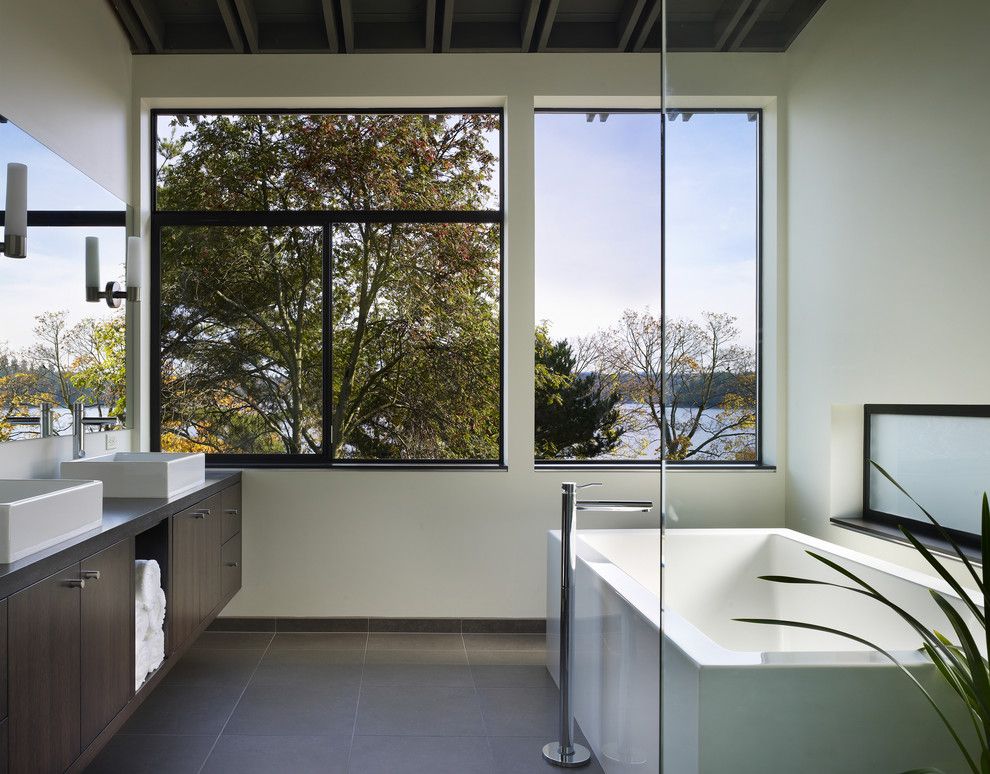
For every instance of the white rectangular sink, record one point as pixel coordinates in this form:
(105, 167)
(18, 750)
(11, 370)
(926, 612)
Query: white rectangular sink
(141, 474)
(36, 514)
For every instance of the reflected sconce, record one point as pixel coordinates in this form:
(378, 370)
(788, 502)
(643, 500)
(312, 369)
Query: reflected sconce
(112, 293)
(14, 243)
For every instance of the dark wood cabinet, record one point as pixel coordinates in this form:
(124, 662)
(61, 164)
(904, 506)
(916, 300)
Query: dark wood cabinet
(231, 512)
(107, 636)
(230, 566)
(183, 605)
(212, 526)
(44, 680)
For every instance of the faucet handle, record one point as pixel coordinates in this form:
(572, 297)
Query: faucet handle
(593, 483)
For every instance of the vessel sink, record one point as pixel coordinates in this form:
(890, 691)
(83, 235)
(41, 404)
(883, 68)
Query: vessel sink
(36, 514)
(140, 474)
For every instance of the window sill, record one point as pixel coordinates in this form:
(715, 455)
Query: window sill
(671, 467)
(891, 534)
(229, 464)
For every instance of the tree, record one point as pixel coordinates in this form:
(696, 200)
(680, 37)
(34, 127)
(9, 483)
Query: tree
(414, 315)
(706, 408)
(576, 414)
(99, 366)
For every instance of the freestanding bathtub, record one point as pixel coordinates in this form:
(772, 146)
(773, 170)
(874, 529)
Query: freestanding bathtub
(744, 698)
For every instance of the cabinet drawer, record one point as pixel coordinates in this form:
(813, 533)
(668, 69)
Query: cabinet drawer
(230, 566)
(231, 511)
(3, 675)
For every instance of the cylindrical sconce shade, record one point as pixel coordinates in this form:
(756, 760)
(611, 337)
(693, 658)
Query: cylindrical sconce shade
(134, 269)
(92, 262)
(15, 206)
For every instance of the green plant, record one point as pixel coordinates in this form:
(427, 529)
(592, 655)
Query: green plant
(961, 664)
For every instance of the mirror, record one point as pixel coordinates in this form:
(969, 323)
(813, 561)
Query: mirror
(55, 347)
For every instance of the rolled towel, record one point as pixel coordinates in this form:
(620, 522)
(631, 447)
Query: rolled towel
(157, 611)
(142, 622)
(155, 649)
(140, 666)
(147, 581)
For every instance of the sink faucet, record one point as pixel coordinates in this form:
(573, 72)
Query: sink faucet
(79, 423)
(43, 420)
(565, 752)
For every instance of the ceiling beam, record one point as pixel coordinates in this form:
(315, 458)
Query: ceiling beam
(727, 20)
(527, 24)
(649, 21)
(249, 23)
(132, 26)
(448, 25)
(756, 10)
(151, 20)
(330, 22)
(347, 25)
(550, 13)
(797, 17)
(431, 26)
(631, 14)
(229, 16)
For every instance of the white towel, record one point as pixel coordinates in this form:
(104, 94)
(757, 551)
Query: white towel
(147, 581)
(142, 622)
(155, 648)
(156, 611)
(140, 666)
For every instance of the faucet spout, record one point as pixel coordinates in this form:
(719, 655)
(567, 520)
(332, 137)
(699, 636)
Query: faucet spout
(642, 506)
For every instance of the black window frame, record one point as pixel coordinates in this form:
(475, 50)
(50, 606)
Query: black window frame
(890, 522)
(757, 463)
(325, 219)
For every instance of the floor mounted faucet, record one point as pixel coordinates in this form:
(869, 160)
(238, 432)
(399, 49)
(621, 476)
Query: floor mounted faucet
(565, 752)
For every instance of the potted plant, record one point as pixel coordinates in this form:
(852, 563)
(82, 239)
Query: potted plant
(959, 662)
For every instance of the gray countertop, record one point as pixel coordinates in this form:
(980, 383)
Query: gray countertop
(122, 518)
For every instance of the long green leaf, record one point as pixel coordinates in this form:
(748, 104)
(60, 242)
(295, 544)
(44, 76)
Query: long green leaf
(941, 530)
(946, 576)
(958, 683)
(977, 664)
(878, 649)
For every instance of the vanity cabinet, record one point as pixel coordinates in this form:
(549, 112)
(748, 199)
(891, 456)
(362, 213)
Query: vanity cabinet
(70, 658)
(106, 636)
(199, 580)
(44, 674)
(67, 641)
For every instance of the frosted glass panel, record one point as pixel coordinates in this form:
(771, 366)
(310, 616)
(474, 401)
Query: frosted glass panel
(943, 461)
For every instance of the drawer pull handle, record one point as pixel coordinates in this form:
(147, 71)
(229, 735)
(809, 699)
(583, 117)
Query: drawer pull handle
(76, 583)
(233, 511)
(233, 564)
(202, 514)
(91, 574)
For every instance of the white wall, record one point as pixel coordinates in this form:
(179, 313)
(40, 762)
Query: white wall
(436, 543)
(65, 79)
(888, 195)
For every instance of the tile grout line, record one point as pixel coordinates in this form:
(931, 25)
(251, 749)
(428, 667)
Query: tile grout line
(236, 704)
(357, 705)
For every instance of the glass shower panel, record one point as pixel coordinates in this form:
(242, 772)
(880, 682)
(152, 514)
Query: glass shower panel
(822, 254)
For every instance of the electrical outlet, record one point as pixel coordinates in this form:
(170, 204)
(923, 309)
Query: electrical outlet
(111, 441)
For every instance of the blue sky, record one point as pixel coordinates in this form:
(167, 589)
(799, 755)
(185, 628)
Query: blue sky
(52, 277)
(597, 219)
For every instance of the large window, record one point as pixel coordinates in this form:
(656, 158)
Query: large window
(619, 379)
(330, 286)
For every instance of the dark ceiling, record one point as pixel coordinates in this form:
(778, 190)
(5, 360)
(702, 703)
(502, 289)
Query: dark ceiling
(394, 26)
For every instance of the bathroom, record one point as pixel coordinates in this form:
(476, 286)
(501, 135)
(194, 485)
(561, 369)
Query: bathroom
(813, 173)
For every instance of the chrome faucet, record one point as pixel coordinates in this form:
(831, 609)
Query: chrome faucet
(565, 752)
(43, 420)
(79, 423)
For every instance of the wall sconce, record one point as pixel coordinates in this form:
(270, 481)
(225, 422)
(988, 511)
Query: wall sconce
(14, 243)
(112, 293)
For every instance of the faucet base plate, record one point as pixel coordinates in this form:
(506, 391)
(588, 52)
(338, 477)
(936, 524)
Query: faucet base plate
(580, 757)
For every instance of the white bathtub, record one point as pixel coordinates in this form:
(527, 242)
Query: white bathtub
(737, 697)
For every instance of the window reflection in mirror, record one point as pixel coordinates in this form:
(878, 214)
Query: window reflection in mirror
(54, 346)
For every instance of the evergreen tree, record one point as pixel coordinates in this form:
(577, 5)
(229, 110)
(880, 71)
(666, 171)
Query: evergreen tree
(576, 414)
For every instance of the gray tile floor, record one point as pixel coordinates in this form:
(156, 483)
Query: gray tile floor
(379, 703)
